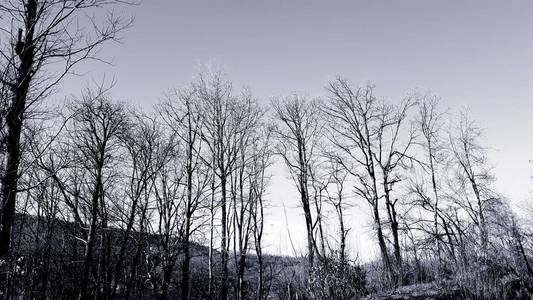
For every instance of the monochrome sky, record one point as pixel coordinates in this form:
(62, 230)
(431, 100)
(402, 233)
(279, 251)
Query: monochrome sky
(475, 55)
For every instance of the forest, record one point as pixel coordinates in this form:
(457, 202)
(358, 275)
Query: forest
(103, 200)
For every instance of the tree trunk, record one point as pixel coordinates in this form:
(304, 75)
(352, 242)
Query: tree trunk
(381, 241)
(211, 237)
(436, 194)
(14, 123)
(304, 195)
(342, 254)
(242, 266)
(123, 246)
(393, 219)
(91, 234)
(137, 257)
(260, 275)
(88, 255)
(185, 265)
(223, 245)
(309, 227)
(167, 277)
(396, 241)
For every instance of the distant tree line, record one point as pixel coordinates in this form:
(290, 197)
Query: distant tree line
(101, 200)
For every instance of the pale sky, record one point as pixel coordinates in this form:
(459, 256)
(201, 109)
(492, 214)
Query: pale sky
(476, 55)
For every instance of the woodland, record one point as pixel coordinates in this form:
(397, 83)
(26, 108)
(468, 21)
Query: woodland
(102, 200)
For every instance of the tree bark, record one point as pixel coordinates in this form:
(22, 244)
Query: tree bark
(381, 241)
(14, 122)
(87, 260)
(223, 242)
(185, 265)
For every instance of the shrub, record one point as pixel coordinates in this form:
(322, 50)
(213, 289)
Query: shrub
(333, 279)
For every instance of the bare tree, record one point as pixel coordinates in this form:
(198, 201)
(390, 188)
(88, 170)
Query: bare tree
(352, 113)
(338, 199)
(429, 125)
(169, 202)
(94, 141)
(320, 179)
(261, 159)
(373, 145)
(429, 196)
(244, 200)
(43, 33)
(472, 181)
(223, 131)
(392, 151)
(181, 112)
(146, 155)
(298, 134)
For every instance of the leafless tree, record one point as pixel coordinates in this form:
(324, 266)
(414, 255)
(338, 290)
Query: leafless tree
(170, 198)
(352, 114)
(244, 200)
(181, 112)
(94, 141)
(320, 180)
(430, 125)
(298, 134)
(261, 153)
(473, 178)
(339, 200)
(371, 136)
(226, 123)
(42, 34)
(147, 153)
(429, 195)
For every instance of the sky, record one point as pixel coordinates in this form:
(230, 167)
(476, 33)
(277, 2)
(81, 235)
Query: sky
(474, 55)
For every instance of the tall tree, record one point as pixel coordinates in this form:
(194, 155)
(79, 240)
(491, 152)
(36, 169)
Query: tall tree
(244, 199)
(429, 195)
(339, 201)
(226, 123)
(261, 153)
(181, 112)
(298, 133)
(353, 114)
(472, 181)
(94, 143)
(43, 33)
(146, 155)
(373, 142)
